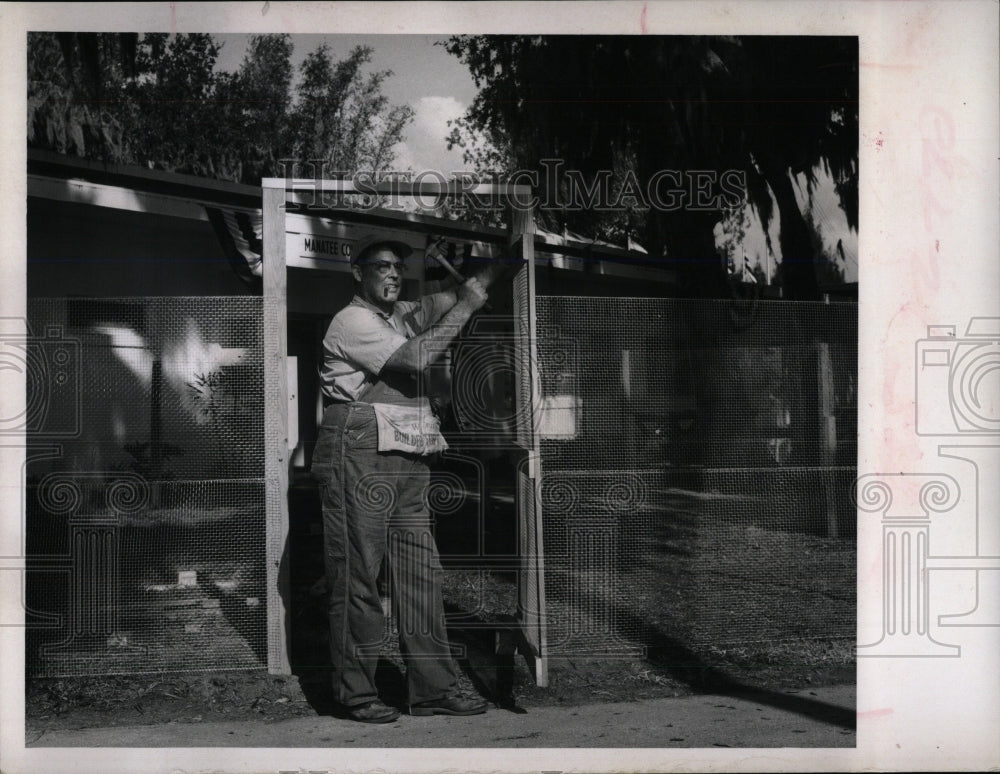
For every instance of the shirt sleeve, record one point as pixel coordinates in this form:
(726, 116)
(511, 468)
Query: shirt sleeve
(438, 305)
(361, 337)
(427, 311)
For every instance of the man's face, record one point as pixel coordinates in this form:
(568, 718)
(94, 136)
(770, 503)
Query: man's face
(380, 275)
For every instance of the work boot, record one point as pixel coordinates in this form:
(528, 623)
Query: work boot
(455, 704)
(372, 712)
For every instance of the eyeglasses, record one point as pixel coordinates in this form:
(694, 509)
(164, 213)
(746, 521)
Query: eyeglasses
(382, 268)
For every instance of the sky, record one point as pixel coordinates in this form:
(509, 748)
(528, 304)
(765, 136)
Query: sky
(425, 76)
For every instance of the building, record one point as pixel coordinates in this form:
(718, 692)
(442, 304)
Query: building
(168, 496)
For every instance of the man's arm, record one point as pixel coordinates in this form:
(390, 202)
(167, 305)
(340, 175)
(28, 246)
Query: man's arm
(418, 353)
(444, 300)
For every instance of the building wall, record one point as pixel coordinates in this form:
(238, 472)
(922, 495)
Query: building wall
(83, 250)
(79, 254)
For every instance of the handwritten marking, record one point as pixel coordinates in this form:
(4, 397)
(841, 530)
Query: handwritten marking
(878, 713)
(884, 66)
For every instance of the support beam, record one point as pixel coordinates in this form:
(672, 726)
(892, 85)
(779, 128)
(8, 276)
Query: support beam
(827, 433)
(276, 429)
(521, 228)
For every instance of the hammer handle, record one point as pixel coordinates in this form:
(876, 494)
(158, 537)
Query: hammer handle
(458, 277)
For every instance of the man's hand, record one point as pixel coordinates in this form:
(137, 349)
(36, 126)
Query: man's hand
(472, 294)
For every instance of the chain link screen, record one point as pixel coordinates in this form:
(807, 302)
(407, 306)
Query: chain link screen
(697, 465)
(145, 493)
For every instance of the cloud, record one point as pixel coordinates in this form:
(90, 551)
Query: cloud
(424, 147)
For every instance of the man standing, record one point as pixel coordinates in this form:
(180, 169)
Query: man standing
(371, 462)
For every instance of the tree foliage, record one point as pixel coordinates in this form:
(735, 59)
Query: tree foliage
(767, 107)
(70, 76)
(176, 120)
(342, 117)
(160, 101)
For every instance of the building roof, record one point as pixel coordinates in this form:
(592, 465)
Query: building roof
(135, 188)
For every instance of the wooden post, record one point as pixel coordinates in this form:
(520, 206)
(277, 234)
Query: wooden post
(276, 425)
(521, 241)
(827, 433)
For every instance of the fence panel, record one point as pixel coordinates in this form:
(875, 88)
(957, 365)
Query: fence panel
(145, 521)
(697, 459)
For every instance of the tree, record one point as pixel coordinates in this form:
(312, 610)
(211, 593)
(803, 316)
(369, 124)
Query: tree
(177, 121)
(261, 100)
(70, 76)
(802, 117)
(342, 118)
(163, 104)
(764, 107)
(531, 106)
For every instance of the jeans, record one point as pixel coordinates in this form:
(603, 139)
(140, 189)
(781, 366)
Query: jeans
(373, 504)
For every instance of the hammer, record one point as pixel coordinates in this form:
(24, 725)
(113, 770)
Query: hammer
(446, 264)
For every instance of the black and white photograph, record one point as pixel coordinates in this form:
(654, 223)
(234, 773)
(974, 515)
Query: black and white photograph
(467, 392)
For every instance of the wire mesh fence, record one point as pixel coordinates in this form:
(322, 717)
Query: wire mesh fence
(697, 461)
(145, 516)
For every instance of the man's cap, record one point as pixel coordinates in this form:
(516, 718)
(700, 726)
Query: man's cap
(368, 241)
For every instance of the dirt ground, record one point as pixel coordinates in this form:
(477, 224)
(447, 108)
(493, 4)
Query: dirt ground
(820, 718)
(88, 702)
(672, 666)
(666, 670)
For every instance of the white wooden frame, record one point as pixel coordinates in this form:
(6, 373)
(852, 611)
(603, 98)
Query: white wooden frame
(277, 193)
